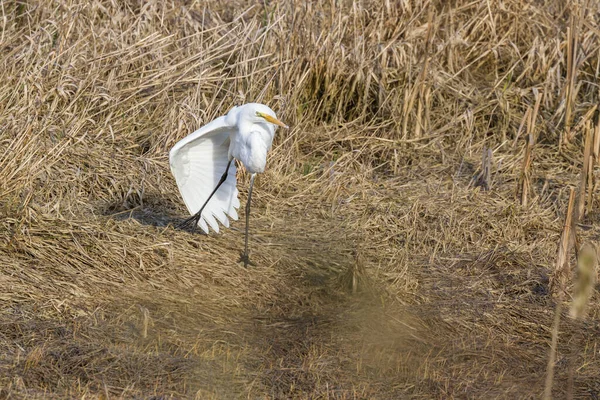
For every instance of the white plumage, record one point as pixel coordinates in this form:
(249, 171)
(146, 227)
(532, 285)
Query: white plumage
(199, 161)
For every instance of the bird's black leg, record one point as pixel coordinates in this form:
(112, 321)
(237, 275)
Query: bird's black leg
(245, 255)
(196, 217)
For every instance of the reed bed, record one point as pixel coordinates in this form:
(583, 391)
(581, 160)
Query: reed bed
(393, 260)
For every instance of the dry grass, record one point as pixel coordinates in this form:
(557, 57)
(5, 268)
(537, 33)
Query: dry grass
(384, 268)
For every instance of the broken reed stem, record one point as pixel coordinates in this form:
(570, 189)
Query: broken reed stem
(569, 89)
(587, 117)
(145, 321)
(561, 269)
(572, 32)
(355, 278)
(585, 280)
(590, 186)
(595, 160)
(422, 90)
(597, 142)
(559, 286)
(585, 170)
(522, 125)
(536, 109)
(523, 186)
(552, 355)
(484, 178)
(524, 180)
(383, 62)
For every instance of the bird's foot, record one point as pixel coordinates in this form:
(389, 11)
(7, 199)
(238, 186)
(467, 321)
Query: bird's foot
(246, 259)
(189, 224)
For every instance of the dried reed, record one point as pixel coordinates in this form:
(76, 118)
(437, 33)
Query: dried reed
(392, 105)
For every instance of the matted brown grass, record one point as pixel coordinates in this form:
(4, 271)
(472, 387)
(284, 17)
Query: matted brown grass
(384, 267)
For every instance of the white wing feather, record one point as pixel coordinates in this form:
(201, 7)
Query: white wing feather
(198, 161)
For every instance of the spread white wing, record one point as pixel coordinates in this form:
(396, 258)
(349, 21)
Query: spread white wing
(198, 161)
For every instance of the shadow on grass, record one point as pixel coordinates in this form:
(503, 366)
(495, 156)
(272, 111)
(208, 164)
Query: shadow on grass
(154, 210)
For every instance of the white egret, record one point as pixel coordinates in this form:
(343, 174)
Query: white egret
(203, 168)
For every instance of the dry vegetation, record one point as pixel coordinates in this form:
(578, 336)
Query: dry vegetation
(385, 269)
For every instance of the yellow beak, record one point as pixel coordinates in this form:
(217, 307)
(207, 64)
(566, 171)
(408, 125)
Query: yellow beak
(272, 120)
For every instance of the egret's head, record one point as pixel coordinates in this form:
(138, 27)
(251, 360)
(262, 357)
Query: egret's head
(263, 113)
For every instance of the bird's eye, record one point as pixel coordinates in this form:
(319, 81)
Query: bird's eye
(258, 114)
